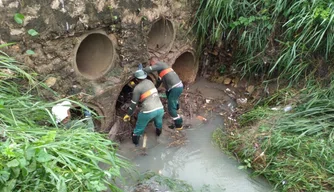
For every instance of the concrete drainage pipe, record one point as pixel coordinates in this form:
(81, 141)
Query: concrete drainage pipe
(94, 55)
(161, 36)
(77, 113)
(186, 67)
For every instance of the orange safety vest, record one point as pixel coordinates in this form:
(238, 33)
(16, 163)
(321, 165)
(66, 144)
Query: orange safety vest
(147, 94)
(164, 72)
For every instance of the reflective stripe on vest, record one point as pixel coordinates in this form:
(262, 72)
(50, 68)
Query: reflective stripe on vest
(147, 94)
(164, 72)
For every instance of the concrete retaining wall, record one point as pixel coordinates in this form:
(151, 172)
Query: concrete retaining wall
(91, 48)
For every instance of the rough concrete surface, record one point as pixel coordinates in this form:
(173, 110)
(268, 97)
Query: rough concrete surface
(64, 24)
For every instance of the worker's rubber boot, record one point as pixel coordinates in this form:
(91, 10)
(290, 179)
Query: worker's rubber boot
(158, 131)
(177, 127)
(135, 139)
(177, 106)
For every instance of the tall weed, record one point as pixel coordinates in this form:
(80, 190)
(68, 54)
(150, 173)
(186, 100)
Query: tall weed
(35, 155)
(272, 37)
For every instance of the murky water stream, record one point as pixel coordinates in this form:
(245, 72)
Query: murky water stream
(200, 164)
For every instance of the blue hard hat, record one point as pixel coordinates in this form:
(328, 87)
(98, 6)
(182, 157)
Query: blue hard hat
(140, 74)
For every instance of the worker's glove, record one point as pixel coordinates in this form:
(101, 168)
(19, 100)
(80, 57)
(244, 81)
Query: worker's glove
(126, 118)
(87, 113)
(132, 84)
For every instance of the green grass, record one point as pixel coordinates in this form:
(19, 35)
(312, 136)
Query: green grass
(297, 145)
(272, 38)
(35, 155)
(281, 40)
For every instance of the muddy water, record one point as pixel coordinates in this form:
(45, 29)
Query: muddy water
(198, 162)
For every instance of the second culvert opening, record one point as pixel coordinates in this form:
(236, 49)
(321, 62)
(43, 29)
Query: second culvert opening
(94, 56)
(186, 67)
(161, 36)
(122, 105)
(77, 113)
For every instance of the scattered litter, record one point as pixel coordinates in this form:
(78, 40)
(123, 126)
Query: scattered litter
(201, 118)
(275, 108)
(207, 100)
(256, 145)
(287, 108)
(242, 101)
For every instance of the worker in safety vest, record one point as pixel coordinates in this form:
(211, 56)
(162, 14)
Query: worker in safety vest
(145, 94)
(173, 85)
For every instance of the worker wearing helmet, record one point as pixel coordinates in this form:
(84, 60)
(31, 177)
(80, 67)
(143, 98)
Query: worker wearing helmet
(145, 94)
(173, 86)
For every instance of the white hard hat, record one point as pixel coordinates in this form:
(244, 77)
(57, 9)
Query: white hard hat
(60, 110)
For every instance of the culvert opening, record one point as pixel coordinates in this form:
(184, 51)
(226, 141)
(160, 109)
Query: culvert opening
(125, 96)
(94, 55)
(123, 102)
(185, 66)
(77, 113)
(161, 36)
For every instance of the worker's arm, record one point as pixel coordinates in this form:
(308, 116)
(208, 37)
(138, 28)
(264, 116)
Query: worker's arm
(158, 83)
(156, 67)
(134, 101)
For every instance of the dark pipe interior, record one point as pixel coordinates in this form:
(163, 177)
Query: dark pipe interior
(124, 98)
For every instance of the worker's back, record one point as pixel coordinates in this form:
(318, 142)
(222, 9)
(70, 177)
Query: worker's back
(169, 77)
(148, 96)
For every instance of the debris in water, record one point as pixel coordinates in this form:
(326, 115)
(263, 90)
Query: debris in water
(242, 101)
(201, 118)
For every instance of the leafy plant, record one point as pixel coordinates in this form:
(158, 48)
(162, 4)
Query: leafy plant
(33, 32)
(19, 18)
(248, 164)
(30, 52)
